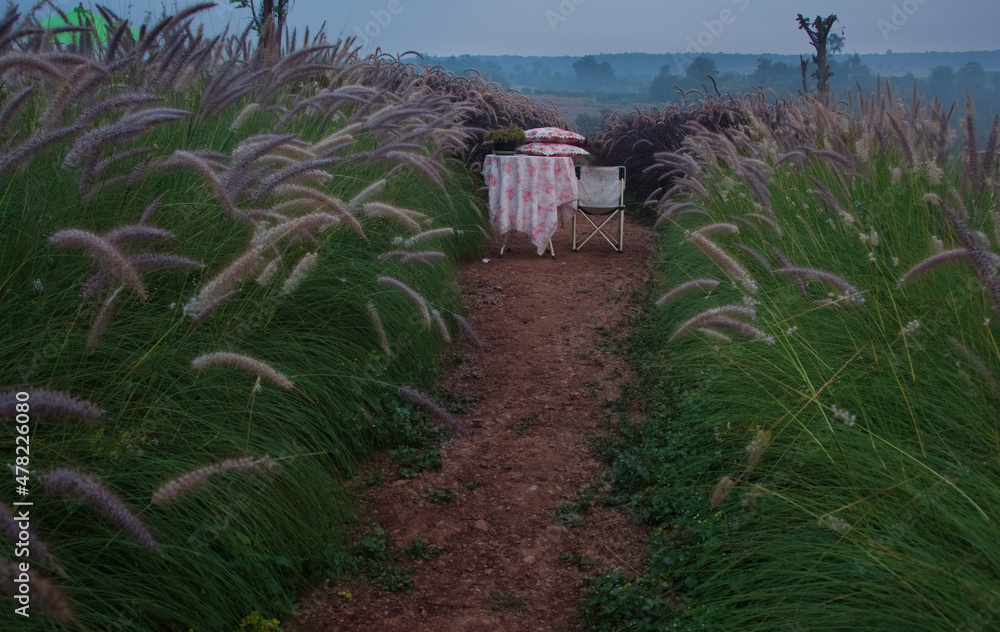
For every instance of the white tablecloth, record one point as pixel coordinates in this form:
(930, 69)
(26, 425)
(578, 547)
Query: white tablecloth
(526, 193)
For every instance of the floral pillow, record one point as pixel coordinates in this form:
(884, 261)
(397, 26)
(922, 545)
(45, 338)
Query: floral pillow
(553, 135)
(552, 149)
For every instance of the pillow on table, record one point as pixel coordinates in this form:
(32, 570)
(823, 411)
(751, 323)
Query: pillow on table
(551, 149)
(553, 135)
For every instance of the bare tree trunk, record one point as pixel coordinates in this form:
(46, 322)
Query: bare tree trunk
(818, 32)
(805, 68)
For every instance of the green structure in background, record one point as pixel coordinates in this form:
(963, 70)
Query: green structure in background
(82, 17)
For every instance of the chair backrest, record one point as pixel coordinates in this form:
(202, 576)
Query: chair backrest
(601, 188)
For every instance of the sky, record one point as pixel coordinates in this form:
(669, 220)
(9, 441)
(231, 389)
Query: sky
(581, 27)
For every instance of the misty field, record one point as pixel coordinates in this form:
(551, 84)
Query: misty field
(228, 276)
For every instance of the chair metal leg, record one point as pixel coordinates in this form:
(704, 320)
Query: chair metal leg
(599, 228)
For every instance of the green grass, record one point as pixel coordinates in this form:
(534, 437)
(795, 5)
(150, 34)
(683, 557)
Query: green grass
(242, 543)
(845, 475)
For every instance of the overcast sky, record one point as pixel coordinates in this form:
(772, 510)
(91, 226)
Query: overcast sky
(579, 27)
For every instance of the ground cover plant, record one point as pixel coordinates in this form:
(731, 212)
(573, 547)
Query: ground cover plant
(227, 275)
(822, 449)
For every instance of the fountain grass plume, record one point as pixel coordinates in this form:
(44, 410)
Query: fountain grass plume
(379, 328)
(244, 362)
(732, 267)
(823, 276)
(432, 407)
(429, 234)
(137, 232)
(177, 487)
(307, 169)
(299, 272)
(103, 499)
(684, 288)
(718, 227)
(722, 489)
(241, 268)
(442, 326)
(467, 329)
(142, 262)
(411, 294)
(268, 237)
(105, 252)
(947, 256)
(729, 311)
(983, 259)
(716, 335)
(267, 273)
(12, 105)
(103, 318)
(757, 256)
(405, 216)
(46, 403)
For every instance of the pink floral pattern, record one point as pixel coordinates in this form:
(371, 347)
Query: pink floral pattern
(525, 194)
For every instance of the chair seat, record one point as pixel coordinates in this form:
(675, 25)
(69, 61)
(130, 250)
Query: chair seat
(602, 195)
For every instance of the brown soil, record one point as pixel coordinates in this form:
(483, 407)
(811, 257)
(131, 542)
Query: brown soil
(553, 331)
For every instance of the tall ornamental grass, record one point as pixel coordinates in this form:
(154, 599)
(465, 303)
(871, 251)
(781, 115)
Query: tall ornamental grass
(823, 377)
(224, 272)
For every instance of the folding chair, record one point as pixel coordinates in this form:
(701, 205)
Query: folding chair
(602, 193)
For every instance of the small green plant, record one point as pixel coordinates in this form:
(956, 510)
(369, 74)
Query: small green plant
(440, 495)
(507, 602)
(419, 549)
(577, 560)
(614, 601)
(413, 461)
(375, 561)
(512, 133)
(255, 623)
(471, 485)
(523, 425)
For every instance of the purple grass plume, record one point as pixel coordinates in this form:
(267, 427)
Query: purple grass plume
(104, 251)
(379, 329)
(299, 272)
(411, 294)
(728, 311)
(103, 499)
(722, 489)
(101, 321)
(732, 267)
(44, 403)
(432, 407)
(442, 326)
(686, 287)
(244, 362)
(177, 487)
(958, 254)
(469, 332)
(848, 290)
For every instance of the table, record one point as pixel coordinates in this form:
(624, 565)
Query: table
(527, 194)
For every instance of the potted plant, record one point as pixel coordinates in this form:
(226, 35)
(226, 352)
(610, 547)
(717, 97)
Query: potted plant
(505, 139)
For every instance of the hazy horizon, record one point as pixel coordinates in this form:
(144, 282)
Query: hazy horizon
(443, 28)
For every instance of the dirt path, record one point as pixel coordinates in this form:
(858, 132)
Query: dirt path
(553, 331)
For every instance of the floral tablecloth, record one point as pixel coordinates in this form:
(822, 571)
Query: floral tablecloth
(526, 193)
